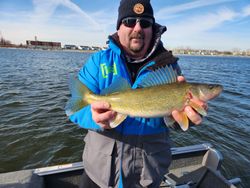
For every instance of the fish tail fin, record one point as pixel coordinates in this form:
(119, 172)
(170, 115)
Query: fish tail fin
(79, 93)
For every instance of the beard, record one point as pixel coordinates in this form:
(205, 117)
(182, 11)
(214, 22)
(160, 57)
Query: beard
(136, 47)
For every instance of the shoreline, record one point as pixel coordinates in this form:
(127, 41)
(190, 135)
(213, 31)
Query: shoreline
(40, 49)
(92, 51)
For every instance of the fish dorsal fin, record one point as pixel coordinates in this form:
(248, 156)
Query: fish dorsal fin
(164, 75)
(120, 84)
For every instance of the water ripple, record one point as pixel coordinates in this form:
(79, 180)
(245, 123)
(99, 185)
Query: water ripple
(34, 91)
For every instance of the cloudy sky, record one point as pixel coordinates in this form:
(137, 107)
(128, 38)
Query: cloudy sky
(203, 24)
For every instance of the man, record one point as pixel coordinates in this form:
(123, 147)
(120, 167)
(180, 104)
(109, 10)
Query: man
(137, 152)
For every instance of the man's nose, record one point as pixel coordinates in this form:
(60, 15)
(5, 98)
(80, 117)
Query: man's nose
(137, 26)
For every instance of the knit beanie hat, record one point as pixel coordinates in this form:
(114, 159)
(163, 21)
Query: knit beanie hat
(134, 8)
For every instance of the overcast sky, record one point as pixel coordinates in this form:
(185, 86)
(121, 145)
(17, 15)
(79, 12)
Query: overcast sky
(203, 24)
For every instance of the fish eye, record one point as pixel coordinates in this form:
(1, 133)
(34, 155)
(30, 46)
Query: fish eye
(210, 86)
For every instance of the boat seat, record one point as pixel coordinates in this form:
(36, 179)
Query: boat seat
(203, 177)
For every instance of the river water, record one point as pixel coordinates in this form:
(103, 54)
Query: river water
(35, 132)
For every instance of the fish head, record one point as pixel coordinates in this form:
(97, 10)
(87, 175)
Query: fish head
(206, 92)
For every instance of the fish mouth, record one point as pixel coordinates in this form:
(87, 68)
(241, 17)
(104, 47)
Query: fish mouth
(217, 90)
(220, 88)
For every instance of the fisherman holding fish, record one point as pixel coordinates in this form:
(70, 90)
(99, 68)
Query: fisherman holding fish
(126, 97)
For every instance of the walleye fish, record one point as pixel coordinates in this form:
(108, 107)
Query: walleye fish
(158, 95)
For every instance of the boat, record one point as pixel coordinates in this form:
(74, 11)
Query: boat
(195, 166)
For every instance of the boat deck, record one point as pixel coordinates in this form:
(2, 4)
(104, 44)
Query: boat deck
(195, 166)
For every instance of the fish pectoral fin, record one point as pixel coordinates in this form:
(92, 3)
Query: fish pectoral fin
(197, 107)
(117, 120)
(182, 120)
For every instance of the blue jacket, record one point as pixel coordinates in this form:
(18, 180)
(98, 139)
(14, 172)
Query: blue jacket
(102, 69)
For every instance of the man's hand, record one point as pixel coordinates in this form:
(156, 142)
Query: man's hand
(101, 114)
(191, 114)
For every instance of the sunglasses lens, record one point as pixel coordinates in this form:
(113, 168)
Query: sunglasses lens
(145, 23)
(131, 22)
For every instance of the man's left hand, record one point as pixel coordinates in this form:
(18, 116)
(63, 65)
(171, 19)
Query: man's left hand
(190, 112)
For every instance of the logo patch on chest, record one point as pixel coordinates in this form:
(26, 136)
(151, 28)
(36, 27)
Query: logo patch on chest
(108, 70)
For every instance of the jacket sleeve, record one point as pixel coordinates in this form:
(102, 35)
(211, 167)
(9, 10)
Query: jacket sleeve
(88, 75)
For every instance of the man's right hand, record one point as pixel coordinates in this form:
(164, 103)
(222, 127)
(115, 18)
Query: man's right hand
(102, 114)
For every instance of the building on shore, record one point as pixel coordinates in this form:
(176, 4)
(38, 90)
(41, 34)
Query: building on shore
(70, 47)
(45, 45)
(85, 47)
(96, 48)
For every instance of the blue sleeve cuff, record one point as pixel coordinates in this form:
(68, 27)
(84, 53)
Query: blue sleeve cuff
(83, 118)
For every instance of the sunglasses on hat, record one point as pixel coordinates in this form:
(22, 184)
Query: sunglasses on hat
(132, 21)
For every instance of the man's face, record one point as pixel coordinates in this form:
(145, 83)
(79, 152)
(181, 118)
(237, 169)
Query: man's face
(134, 38)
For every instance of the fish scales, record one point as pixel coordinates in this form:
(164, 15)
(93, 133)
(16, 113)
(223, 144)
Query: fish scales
(147, 102)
